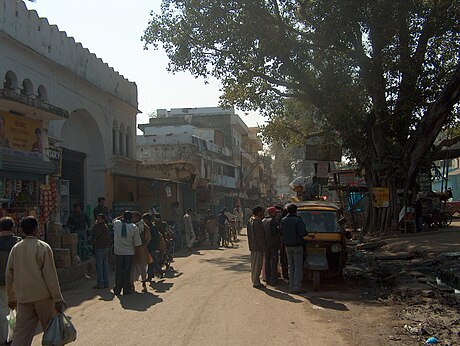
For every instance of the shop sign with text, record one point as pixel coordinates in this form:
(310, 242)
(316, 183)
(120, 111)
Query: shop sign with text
(22, 134)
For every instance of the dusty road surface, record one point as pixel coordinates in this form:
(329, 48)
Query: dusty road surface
(209, 300)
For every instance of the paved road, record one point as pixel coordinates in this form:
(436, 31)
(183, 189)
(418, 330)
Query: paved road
(210, 301)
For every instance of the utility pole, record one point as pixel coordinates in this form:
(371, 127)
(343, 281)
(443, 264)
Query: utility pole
(240, 191)
(212, 184)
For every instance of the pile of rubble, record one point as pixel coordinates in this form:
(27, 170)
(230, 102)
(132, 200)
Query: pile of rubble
(425, 285)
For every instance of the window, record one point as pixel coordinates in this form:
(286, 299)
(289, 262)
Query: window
(229, 171)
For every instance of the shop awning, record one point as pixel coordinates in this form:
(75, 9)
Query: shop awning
(13, 163)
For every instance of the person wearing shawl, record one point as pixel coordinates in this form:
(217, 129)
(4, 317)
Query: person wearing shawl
(126, 238)
(142, 257)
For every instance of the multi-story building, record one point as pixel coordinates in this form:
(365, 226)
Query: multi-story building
(210, 149)
(79, 110)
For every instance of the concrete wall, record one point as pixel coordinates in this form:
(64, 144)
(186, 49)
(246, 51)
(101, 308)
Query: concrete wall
(156, 154)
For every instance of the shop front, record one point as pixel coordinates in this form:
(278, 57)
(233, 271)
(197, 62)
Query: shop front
(145, 194)
(28, 182)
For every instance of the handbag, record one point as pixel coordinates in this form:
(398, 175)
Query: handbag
(142, 255)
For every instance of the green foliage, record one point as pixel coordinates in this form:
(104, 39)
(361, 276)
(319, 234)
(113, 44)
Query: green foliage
(381, 75)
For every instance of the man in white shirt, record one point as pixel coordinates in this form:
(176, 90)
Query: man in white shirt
(126, 238)
(190, 236)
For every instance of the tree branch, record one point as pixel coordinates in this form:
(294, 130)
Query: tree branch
(431, 124)
(448, 142)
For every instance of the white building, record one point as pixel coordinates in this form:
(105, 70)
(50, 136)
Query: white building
(43, 68)
(210, 148)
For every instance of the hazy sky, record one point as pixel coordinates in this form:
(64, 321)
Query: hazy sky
(112, 30)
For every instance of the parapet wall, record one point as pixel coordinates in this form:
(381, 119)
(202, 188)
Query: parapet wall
(36, 33)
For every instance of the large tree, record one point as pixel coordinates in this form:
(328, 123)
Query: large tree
(383, 75)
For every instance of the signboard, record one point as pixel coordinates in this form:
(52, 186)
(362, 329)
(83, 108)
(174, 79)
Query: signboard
(347, 178)
(318, 153)
(381, 197)
(54, 154)
(22, 133)
(323, 170)
(168, 191)
(424, 181)
(317, 150)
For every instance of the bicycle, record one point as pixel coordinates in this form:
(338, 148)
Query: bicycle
(228, 236)
(435, 218)
(166, 257)
(233, 233)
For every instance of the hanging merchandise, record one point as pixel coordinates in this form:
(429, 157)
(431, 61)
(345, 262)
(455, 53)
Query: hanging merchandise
(48, 200)
(17, 186)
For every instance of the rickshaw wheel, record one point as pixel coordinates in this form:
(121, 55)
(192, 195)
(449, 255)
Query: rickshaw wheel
(316, 275)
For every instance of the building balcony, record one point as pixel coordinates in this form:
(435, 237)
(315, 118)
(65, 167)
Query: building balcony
(30, 105)
(225, 181)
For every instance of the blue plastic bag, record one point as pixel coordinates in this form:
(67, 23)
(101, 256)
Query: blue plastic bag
(432, 340)
(60, 331)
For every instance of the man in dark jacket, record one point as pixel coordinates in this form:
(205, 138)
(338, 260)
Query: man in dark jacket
(78, 222)
(272, 234)
(293, 231)
(257, 244)
(101, 244)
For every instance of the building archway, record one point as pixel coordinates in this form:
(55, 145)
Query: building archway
(11, 81)
(42, 93)
(82, 138)
(28, 88)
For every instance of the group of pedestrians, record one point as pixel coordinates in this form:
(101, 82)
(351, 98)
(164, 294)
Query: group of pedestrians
(138, 242)
(214, 227)
(267, 236)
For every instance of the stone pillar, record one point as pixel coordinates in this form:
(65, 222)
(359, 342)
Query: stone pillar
(122, 144)
(116, 141)
(128, 145)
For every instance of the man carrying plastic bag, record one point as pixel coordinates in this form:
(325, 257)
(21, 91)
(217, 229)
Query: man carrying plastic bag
(60, 331)
(32, 284)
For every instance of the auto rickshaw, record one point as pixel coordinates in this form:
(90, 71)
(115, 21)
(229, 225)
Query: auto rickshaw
(326, 242)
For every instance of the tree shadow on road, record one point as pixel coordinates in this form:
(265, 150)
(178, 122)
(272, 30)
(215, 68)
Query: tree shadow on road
(239, 263)
(139, 301)
(327, 303)
(280, 295)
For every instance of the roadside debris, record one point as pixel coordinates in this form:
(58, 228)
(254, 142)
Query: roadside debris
(432, 340)
(417, 280)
